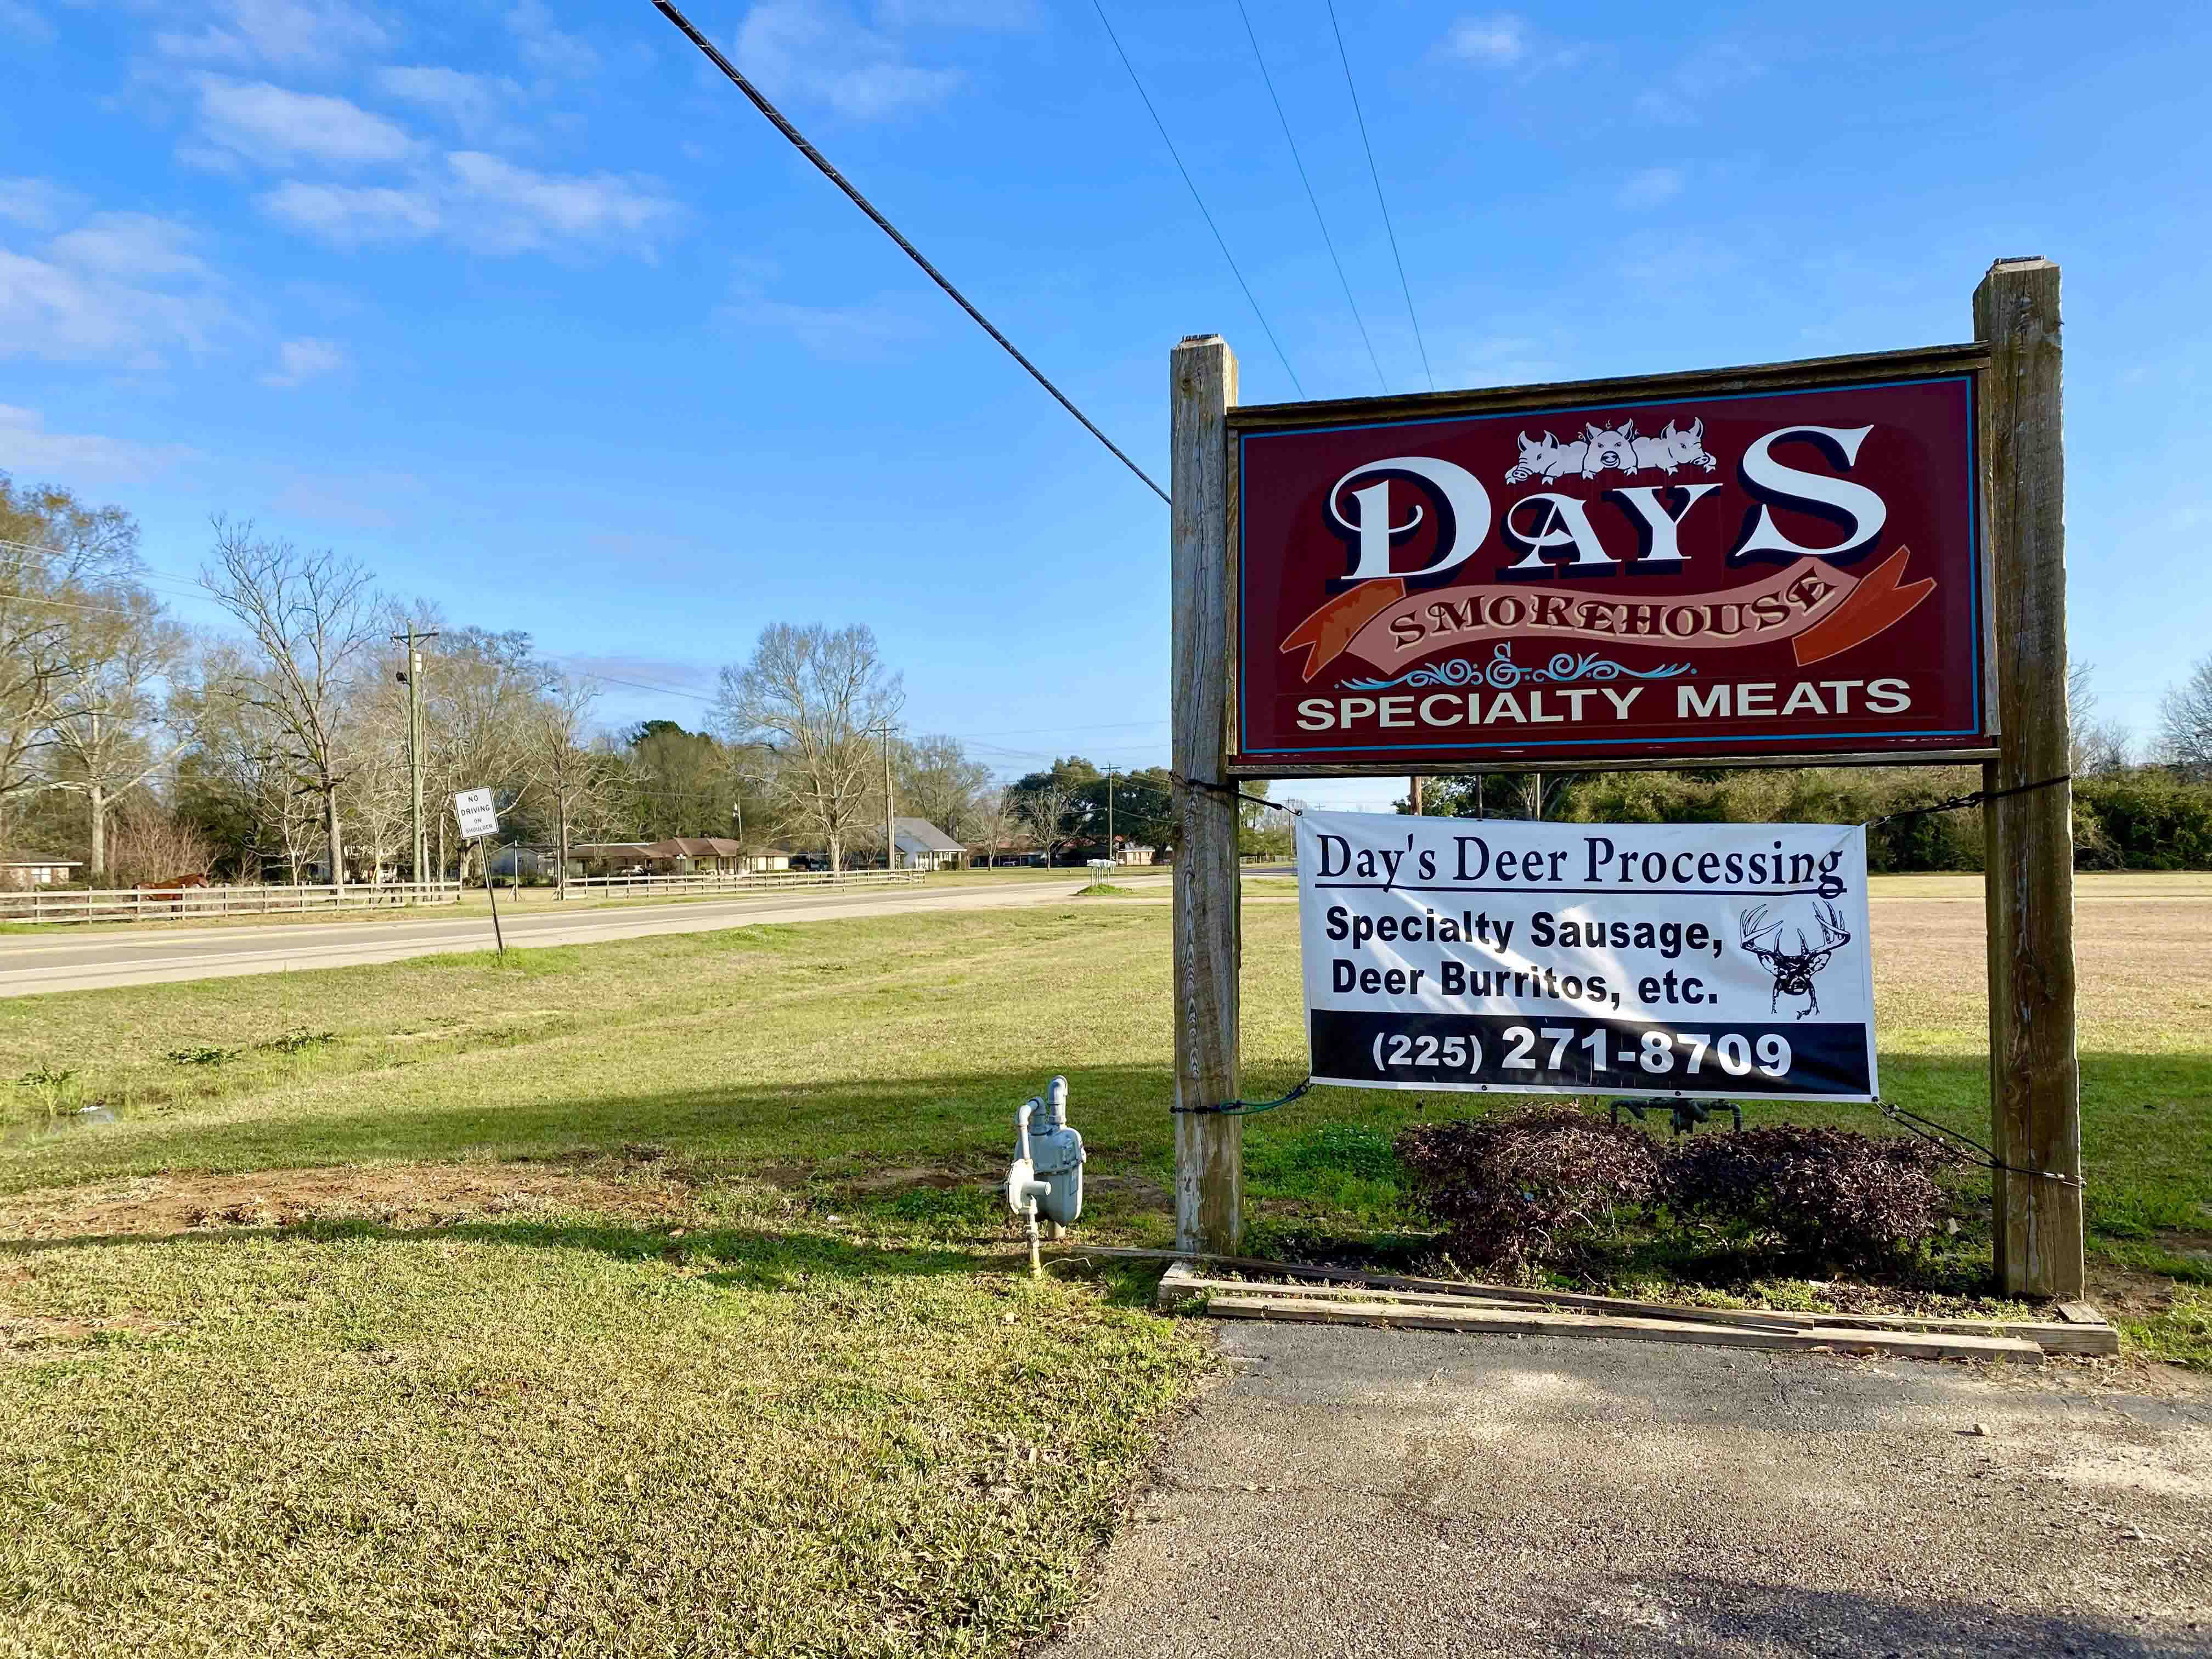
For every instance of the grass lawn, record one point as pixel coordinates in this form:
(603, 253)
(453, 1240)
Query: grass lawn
(651, 1297)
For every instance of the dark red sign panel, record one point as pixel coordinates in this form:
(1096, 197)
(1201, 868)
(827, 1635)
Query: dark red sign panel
(1735, 567)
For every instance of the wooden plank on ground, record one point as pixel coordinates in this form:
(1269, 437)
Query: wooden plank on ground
(2079, 1330)
(1539, 1323)
(2051, 1338)
(1191, 1285)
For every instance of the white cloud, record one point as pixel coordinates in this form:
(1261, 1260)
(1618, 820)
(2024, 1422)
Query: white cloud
(528, 205)
(291, 33)
(483, 203)
(351, 214)
(306, 359)
(26, 22)
(546, 48)
(823, 53)
(121, 285)
(1649, 188)
(1499, 38)
(1681, 96)
(25, 447)
(956, 13)
(131, 245)
(849, 333)
(34, 203)
(473, 103)
(269, 125)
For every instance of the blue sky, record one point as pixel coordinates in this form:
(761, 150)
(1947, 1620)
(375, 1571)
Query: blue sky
(526, 307)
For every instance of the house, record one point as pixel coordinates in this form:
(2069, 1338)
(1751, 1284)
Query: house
(923, 846)
(1016, 848)
(612, 858)
(679, 855)
(37, 872)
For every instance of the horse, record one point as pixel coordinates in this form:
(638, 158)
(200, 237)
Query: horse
(171, 891)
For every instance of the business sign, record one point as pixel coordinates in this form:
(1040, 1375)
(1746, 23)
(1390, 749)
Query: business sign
(474, 809)
(1751, 565)
(1726, 959)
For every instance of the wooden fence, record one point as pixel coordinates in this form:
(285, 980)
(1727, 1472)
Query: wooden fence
(750, 882)
(167, 903)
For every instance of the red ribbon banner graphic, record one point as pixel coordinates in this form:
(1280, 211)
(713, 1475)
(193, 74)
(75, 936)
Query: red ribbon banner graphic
(1822, 611)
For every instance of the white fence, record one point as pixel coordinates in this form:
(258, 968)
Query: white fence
(167, 903)
(731, 882)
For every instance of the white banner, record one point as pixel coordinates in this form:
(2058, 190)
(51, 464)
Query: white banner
(1724, 959)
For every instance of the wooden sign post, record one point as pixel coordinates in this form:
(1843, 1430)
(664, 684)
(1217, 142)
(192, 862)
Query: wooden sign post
(2035, 1093)
(1878, 577)
(1208, 925)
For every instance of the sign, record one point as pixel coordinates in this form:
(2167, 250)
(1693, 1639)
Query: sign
(1725, 959)
(474, 809)
(1759, 565)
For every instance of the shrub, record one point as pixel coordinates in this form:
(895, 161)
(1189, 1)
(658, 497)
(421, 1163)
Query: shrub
(1834, 1195)
(1507, 1189)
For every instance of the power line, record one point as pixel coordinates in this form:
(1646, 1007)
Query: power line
(1374, 172)
(776, 118)
(1299, 161)
(1100, 9)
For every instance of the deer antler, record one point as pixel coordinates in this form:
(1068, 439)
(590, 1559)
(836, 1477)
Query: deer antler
(1833, 934)
(1754, 923)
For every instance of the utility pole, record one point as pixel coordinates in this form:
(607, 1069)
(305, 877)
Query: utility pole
(891, 846)
(1113, 856)
(1417, 797)
(411, 678)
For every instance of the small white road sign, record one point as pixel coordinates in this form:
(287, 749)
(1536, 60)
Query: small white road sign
(474, 809)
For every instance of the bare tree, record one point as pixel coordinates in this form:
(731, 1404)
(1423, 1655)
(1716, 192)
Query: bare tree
(379, 791)
(937, 782)
(311, 617)
(814, 695)
(480, 696)
(571, 777)
(60, 561)
(151, 845)
(2093, 746)
(998, 815)
(2184, 722)
(105, 710)
(1046, 809)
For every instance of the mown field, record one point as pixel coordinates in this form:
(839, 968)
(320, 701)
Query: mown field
(651, 1297)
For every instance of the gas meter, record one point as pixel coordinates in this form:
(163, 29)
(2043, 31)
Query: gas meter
(1045, 1180)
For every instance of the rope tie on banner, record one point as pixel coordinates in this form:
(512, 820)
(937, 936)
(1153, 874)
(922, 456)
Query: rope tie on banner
(1242, 1108)
(1957, 803)
(1945, 1137)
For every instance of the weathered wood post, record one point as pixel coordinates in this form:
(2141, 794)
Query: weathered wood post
(2034, 1075)
(1208, 939)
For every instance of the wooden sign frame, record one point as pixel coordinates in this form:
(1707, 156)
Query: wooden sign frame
(1970, 359)
(2035, 1105)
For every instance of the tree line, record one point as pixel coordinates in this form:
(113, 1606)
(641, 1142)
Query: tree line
(280, 745)
(2137, 807)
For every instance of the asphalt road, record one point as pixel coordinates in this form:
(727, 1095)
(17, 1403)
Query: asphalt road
(33, 963)
(1367, 1494)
